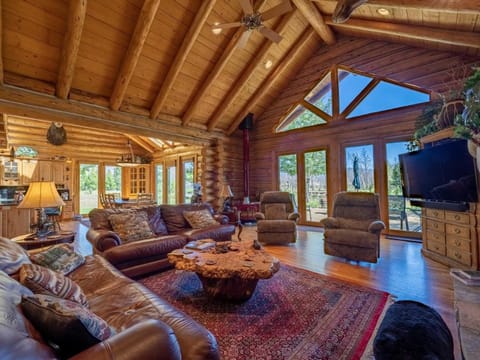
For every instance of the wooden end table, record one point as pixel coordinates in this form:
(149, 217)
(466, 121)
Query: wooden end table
(231, 275)
(36, 242)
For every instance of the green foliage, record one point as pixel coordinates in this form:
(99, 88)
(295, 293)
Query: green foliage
(113, 179)
(305, 119)
(88, 178)
(467, 125)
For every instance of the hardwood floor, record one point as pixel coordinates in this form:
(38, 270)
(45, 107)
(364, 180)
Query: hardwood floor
(401, 270)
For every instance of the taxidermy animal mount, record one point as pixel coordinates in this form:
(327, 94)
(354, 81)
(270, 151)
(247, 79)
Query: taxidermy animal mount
(344, 9)
(56, 134)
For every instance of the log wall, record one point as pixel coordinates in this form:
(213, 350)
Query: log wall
(431, 70)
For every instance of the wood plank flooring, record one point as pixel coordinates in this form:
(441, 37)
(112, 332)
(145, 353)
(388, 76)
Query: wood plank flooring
(401, 271)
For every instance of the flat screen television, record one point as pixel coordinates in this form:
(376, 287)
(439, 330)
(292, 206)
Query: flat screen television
(441, 173)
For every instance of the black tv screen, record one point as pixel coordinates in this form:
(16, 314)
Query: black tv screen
(443, 172)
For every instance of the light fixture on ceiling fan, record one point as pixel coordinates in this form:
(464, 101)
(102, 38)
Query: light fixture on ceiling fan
(253, 20)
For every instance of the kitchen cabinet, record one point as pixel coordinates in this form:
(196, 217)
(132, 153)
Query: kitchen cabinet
(41, 170)
(138, 180)
(14, 221)
(29, 171)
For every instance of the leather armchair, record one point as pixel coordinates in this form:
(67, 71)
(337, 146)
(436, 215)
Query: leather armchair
(276, 221)
(353, 231)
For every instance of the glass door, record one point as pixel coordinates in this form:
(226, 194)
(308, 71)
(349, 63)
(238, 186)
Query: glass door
(171, 184)
(401, 215)
(113, 180)
(88, 199)
(187, 180)
(287, 169)
(159, 183)
(315, 186)
(360, 168)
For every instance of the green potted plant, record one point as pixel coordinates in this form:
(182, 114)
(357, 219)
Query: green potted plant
(467, 124)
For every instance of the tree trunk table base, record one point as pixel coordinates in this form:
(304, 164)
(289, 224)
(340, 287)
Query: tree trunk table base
(227, 270)
(233, 289)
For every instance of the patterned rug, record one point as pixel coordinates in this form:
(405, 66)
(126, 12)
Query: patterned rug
(297, 314)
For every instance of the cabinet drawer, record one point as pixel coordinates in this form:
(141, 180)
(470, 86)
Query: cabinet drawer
(436, 246)
(459, 243)
(457, 230)
(463, 257)
(435, 225)
(461, 218)
(435, 213)
(436, 236)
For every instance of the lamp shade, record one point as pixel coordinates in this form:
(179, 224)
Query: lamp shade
(41, 194)
(226, 191)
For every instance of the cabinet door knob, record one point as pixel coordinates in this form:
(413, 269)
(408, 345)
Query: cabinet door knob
(457, 231)
(458, 242)
(458, 255)
(457, 217)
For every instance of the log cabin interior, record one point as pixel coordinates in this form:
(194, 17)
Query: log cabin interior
(200, 93)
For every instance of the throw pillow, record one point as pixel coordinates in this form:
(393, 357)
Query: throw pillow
(12, 256)
(199, 219)
(42, 280)
(131, 225)
(61, 258)
(11, 292)
(65, 323)
(275, 212)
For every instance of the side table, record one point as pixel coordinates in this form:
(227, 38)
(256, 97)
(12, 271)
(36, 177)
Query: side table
(36, 243)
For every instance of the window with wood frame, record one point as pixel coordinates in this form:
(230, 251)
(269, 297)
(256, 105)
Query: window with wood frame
(344, 93)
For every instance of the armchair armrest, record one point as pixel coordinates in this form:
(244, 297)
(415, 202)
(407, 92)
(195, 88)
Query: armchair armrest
(294, 216)
(259, 216)
(103, 239)
(330, 222)
(376, 226)
(145, 340)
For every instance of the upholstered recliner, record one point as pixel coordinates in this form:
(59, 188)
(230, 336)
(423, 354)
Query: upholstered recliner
(276, 221)
(353, 231)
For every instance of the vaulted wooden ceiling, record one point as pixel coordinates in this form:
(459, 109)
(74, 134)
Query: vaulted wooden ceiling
(154, 68)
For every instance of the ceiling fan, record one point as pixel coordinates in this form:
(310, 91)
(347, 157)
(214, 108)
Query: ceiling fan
(253, 20)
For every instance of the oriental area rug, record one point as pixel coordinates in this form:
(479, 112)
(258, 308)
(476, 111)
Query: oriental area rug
(297, 314)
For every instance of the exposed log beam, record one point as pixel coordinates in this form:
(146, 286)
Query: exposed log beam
(181, 56)
(315, 18)
(139, 140)
(1, 44)
(76, 17)
(216, 71)
(29, 104)
(273, 77)
(437, 5)
(247, 73)
(441, 36)
(142, 29)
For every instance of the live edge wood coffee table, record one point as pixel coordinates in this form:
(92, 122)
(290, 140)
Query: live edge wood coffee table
(228, 270)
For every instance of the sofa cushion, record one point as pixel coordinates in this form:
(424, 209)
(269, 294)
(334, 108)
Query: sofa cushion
(199, 219)
(65, 323)
(131, 225)
(42, 280)
(12, 256)
(275, 212)
(61, 258)
(155, 220)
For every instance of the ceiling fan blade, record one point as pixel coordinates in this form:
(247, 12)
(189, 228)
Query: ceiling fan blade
(270, 34)
(246, 6)
(244, 38)
(278, 10)
(227, 25)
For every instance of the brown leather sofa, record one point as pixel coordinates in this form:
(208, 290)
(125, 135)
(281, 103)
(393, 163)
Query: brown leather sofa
(147, 327)
(171, 231)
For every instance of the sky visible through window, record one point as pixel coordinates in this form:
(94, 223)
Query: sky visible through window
(385, 95)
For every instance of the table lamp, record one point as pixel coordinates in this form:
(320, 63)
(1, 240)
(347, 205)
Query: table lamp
(226, 194)
(41, 195)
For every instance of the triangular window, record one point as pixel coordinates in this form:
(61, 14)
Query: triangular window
(299, 118)
(347, 95)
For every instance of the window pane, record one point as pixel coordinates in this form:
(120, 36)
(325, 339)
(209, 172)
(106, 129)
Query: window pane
(360, 174)
(350, 85)
(386, 96)
(187, 181)
(300, 118)
(171, 185)
(315, 185)
(401, 215)
(113, 180)
(287, 165)
(88, 187)
(321, 95)
(159, 183)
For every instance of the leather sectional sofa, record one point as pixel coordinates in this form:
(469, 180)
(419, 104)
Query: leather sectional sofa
(169, 231)
(146, 326)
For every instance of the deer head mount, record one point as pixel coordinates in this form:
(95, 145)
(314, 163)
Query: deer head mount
(56, 134)
(344, 9)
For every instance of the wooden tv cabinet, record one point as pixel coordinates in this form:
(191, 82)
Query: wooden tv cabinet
(452, 237)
